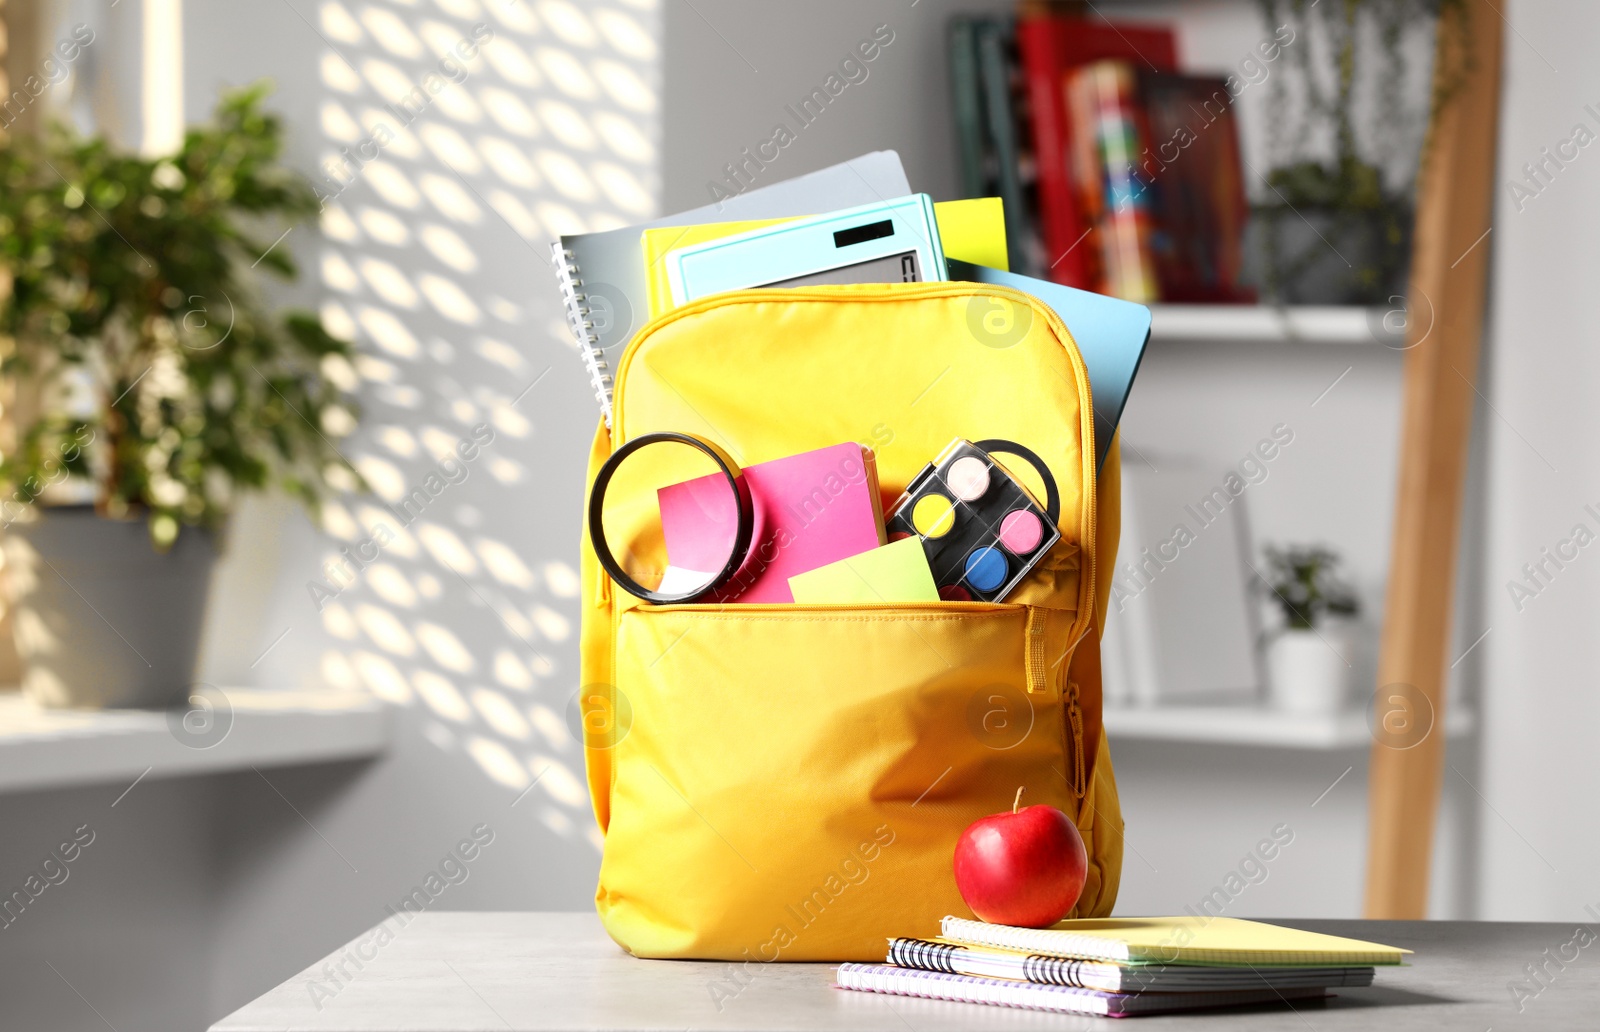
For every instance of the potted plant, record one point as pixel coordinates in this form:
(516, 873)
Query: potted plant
(1309, 656)
(148, 386)
(1344, 137)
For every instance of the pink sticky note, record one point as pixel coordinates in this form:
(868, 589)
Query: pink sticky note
(811, 509)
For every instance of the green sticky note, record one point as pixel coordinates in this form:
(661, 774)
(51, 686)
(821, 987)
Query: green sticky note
(896, 572)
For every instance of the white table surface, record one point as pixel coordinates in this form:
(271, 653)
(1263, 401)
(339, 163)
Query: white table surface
(476, 972)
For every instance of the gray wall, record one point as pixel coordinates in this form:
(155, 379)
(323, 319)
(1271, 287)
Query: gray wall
(732, 68)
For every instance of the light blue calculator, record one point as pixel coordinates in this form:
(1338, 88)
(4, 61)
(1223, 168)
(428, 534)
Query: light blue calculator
(894, 241)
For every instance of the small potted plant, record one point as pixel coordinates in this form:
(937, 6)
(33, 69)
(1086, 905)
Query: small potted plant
(1309, 656)
(147, 387)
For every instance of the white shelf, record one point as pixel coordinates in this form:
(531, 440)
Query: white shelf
(1261, 324)
(44, 748)
(1254, 725)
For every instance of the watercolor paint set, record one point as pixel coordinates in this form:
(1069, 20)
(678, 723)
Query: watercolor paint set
(981, 529)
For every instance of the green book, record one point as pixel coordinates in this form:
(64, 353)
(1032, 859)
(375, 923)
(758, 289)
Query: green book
(994, 71)
(967, 94)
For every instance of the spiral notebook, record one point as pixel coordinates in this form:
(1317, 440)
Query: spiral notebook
(1176, 940)
(1108, 977)
(602, 279)
(1001, 992)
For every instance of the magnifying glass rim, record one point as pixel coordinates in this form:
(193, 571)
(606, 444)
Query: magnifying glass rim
(1052, 503)
(743, 529)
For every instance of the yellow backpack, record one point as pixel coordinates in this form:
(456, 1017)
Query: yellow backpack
(788, 782)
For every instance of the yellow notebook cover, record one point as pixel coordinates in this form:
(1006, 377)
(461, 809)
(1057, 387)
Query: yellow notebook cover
(1176, 940)
(969, 231)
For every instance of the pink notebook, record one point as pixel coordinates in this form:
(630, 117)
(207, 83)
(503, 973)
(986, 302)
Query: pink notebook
(811, 509)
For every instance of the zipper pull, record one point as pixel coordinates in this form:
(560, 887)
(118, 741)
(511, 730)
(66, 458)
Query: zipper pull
(1080, 776)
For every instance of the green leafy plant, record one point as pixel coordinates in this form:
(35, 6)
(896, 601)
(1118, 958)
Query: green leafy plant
(142, 356)
(1362, 194)
(1305, 585)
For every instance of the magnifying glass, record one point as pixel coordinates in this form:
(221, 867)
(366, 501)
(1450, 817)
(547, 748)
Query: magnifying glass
(717, 509)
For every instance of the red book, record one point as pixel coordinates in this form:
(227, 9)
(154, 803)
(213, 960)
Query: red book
(1050, 47)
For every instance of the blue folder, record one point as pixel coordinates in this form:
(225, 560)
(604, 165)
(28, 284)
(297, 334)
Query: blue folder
(1111, 336)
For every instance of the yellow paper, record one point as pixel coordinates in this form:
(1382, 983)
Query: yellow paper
(896, 572)
(974, 231)
(969, 231)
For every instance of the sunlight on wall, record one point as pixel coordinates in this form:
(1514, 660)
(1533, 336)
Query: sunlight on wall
(455, 133)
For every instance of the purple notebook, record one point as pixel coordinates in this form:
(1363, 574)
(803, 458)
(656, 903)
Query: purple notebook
(1063, 999)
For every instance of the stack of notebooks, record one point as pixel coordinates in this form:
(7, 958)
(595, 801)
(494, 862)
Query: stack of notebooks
(1121, 967)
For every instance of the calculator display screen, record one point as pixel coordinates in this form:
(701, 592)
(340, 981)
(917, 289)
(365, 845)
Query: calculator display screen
(892, 268)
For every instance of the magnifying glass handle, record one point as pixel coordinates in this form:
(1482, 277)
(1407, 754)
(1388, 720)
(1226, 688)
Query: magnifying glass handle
(1052, 500)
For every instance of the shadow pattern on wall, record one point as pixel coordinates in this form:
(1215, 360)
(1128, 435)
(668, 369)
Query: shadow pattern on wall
(456, 133)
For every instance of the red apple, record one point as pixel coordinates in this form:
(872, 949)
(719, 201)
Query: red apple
(1025, 868)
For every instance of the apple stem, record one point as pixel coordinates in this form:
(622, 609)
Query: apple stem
(1017, 801)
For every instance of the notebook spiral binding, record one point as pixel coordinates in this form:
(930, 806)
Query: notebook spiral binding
(572, 297)
(1053, 971)
(936, 956)
(920, 953)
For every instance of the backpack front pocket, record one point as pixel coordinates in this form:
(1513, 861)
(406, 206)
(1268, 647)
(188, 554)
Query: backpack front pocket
(791, 780)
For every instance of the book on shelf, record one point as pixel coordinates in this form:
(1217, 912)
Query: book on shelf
(995, 64)
(967, 104)
(993, 143)
(1108, 136)
(1050, 46)
(1125, 174)
(1192, 168)
(1157, 172)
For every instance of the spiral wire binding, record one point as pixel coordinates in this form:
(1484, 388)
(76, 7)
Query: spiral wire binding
(572, 297)
(920, 953)
(937, 956)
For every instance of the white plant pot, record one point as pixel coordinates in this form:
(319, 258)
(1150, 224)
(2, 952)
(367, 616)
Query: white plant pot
(1309, 671)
